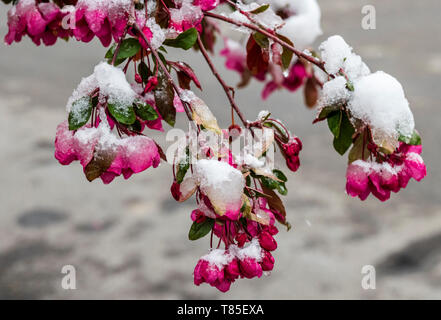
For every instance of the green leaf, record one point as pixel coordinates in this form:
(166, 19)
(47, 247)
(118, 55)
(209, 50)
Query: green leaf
(328, 111)
(413, 140)
(350, 86)
(282, 189)
(80, 113)
(261, 40)
(145, 111)
(129, 47)
(183, 167)
(343, 141)
(185, 40)
(286, 53)
(200, 230)
(280, 175)
(122, 113)
(334, 122)
(144, 71)
(260, 9)
(269, 183)
(109, 56)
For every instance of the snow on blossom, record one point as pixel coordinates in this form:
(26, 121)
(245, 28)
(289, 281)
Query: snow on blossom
(185, 16)
(364, 177)
(221, 183)
(102, 18)
(252, 250)
(337, 55)
(218, 257)
(40, 21)
(268, 18)
(335, 92)
(303, 23)
(378, 99)
(127, 155)
(111, 82)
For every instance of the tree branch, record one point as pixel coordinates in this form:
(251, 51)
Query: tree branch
(226, 88)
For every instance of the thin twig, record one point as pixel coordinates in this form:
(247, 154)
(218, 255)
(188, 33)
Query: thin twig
(270, 34)
(226, 88)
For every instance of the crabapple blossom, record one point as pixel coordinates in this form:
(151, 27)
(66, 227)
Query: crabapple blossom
(237, 190)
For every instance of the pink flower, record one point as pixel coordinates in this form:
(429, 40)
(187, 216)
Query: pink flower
(39, 22)
(218, 269)
(198, 216)
(69, 147)
(232, 271)
(235, 55)
(267, 241)
(206, 5)
(130, 155)
(292, 82)
(250, 268)
(389, 176)
(134, 155)
(185, 17)
(105, 20)
(267, 261)
(357, 184)
(291, 151)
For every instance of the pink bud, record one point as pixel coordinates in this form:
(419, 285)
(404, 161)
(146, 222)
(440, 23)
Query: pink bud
(138, 78)
(267, 261)
(267, 241)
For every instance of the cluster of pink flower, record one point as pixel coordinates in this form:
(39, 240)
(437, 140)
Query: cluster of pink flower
(42, 21)
(110, 156)
(248, 249)
(221, 267)
(394, 173)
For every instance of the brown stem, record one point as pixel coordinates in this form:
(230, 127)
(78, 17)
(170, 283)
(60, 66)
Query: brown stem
(226, 88)
(270, 34)
(164, 69)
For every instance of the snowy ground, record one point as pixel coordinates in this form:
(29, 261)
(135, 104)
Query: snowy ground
(129, 239)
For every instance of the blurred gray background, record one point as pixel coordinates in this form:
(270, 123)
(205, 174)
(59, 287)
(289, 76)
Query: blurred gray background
(129, 239)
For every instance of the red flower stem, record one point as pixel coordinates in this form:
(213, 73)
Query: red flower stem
(226, 88)
(164, 69)
(270, 34)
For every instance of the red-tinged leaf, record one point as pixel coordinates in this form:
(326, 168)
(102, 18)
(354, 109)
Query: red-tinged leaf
(360, 149)
(162, 15)
(257, 57)
(311, 92)
(208, 35)
(161, 152)
(187, 70)
(184, 80)
(99, 164)
(276, 205)
(164, 95)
